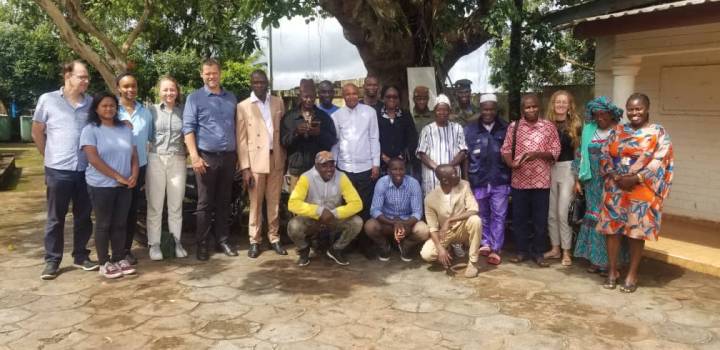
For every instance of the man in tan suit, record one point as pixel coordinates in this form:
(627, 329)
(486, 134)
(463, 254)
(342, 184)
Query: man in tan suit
(451, 214)
(261, 158)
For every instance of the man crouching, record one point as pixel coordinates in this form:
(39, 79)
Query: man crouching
(316, 200)
(451, 215)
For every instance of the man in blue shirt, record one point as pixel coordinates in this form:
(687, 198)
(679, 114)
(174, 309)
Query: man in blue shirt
(488, 175)
(59, 118)
(326, 93)
(209, 129)
(396, 211)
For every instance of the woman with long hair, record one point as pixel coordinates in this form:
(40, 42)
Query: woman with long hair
(166, 167)
(562, 112)
(111, 175)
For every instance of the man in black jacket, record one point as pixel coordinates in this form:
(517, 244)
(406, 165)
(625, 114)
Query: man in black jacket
(306, 130)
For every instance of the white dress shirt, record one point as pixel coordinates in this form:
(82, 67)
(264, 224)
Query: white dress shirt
(358, 146)
(264, 107)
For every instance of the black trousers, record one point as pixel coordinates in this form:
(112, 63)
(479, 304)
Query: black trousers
(214, 196)
(111, 205)
(529, 220)
(63, 187)
(137, 193)
(365, 187)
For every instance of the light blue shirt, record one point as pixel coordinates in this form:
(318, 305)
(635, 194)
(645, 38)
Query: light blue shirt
(114, 146)
(63, 125)
(142, 124)
(212, 118)
(397, 202)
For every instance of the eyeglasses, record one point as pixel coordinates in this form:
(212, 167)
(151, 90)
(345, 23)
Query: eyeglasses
(82, 77)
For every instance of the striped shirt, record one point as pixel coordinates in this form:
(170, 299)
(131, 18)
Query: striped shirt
(441, 144)
(397, 202)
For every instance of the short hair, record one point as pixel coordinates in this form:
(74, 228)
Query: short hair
(371, 76)
(349, 85)
(93, 117)
(388, 87)
(326, 82)
(395, 160)
(209, 61)
(640, 96)
(261, 72)
(420, 88)
(69, 67)
(529, 96)
(306, 84)
(440, 168)
(123, 75)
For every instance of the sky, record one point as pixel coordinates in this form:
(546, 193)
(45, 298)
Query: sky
(318, 50)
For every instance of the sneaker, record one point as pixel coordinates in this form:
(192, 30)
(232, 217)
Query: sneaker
(155, 252)
(337, 255)
(110, 270)
(130, 258)
(384, 253)
(404, 256)
(125, 267)
(458, 250)
(50, 271)
(87, 265)
(303, 257)
(180, 252)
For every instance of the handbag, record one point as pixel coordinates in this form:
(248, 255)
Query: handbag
(577, 211)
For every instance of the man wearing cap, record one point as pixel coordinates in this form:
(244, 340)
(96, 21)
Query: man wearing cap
(464, 111)
(488, 175)
(422, 115)
(317, 200)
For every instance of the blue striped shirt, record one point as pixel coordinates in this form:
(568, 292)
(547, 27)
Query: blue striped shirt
(397, 202)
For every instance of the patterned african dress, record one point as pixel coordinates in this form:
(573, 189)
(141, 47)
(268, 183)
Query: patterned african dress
(648, 152)
(441, 144)
(591, 244)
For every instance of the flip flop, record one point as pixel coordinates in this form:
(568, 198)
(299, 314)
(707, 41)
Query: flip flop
(610, 283)
(518, 259)
(566, 261)
(494, 259)
(593, 269)
(556, 256)
(484, 250)
(628, 288)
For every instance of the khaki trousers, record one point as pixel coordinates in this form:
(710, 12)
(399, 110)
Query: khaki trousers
(300, 228)
(468, 231)
(266, 190)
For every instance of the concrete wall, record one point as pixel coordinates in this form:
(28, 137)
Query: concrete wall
(687, 105)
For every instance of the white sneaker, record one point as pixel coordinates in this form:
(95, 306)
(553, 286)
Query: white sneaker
(125, 267)
(179, 250)
(110, 270)
(155, 252)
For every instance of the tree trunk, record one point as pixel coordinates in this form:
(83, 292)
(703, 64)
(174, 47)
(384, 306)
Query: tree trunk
(515, 62)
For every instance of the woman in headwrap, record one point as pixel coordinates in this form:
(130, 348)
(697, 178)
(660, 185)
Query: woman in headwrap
(637, 162)
(601, 116)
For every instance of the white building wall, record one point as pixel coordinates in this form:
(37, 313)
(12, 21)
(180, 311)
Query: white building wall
(695, 132)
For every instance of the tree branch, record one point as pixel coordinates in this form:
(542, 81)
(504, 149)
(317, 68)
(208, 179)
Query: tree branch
(147, 9)
(576, 63)
(78, 17)
(82, 49)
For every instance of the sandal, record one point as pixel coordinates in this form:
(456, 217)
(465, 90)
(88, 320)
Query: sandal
(518, 259)
(611, 282)
(549, 255)
(604, 273)
(566, 260)
(494, 259)
(593, 269)
(628, 288)
(484, 250)
(541, 262)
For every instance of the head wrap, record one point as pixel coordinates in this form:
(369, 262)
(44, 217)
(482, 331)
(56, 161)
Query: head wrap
(602, 103)
(442, 98)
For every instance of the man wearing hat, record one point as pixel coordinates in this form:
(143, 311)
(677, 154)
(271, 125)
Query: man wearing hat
(317, 201)
(422, 115)
(464, 112)
(488, 175)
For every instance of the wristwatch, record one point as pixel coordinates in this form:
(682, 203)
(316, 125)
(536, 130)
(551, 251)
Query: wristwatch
(641, 178)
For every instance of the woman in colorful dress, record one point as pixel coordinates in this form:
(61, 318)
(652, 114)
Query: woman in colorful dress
(637, 163)
(601, 116)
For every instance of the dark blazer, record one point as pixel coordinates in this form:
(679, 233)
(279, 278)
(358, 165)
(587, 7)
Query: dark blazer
(301, 150)
(485, 163)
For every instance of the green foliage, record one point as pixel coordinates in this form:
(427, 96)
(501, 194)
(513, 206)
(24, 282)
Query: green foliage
(236, 77)
(548, 57)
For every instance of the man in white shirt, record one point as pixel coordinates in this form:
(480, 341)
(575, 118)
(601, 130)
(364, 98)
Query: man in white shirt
(358, 148)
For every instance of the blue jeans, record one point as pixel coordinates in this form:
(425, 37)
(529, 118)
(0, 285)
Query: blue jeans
(530, 220)
(64, 186)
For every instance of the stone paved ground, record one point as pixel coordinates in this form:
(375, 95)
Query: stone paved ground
(236, 303)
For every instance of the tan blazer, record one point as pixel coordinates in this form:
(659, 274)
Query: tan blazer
(438, 210)
(252, 139)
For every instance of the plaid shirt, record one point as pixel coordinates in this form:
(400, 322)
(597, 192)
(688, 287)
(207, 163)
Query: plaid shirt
(397, 202)
(542, 136)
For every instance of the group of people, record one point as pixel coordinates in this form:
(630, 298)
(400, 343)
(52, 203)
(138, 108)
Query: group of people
(368, 174)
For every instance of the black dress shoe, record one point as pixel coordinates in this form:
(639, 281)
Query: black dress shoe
(202, 252)
(278, 248)
(254, 250)
(229, 251)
